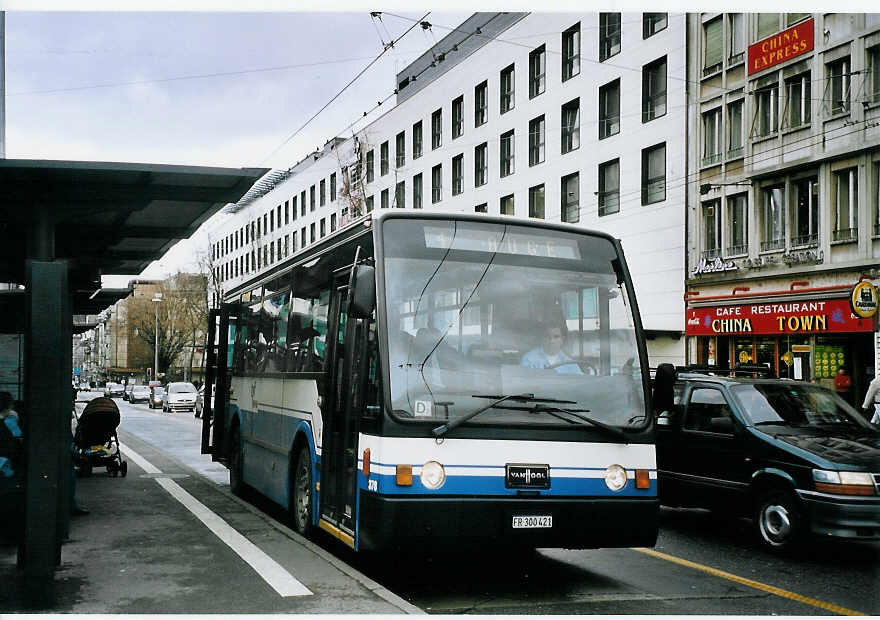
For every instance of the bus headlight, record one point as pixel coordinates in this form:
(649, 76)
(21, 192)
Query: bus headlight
(433, 475)
(615, 477)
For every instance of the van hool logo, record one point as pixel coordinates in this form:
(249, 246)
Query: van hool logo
(528, 476)
(863, 299)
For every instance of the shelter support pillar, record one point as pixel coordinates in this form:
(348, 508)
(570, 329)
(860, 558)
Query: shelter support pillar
(47, 394)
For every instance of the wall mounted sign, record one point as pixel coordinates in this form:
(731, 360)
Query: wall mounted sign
(768, 318)
(790, 43)
(802, 257)
(863, 300)
(713, 266)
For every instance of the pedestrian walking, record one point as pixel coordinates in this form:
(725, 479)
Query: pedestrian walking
(842, 384)
(871, 405)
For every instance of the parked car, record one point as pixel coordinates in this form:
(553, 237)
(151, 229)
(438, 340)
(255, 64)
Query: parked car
(156, 394)
(179, 396)
(792, 455)
(139, 394)
(200, 400)
(114, 390)
(84, 386)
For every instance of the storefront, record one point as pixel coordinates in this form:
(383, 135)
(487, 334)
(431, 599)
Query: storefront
(805, 335)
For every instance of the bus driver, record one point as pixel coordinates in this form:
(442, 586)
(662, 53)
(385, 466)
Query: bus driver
(550, 353)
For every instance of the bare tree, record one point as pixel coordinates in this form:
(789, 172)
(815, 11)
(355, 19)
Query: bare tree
(353, 191)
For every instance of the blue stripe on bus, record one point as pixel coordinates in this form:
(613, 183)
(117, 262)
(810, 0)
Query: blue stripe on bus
(494, 485)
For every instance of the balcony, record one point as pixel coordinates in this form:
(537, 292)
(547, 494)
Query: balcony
(711, 254)
(772, 245)
(738, 250)
(845, 235)
(711, 159)
(805, 241)
(734, 153)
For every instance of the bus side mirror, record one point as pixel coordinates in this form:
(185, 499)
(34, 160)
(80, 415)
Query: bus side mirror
(362, 291)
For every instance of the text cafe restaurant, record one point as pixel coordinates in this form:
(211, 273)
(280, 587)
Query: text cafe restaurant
(801, 333)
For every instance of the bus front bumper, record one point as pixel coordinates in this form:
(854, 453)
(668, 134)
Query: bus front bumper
(577, 523)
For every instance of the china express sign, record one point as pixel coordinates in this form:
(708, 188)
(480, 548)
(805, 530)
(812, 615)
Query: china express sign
(782, 46)
(805, 317)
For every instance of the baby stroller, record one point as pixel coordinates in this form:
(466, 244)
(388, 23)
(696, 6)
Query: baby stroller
(95, 441)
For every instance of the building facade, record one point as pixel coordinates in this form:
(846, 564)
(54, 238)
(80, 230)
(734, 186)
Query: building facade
(784, 200)
(571, 118)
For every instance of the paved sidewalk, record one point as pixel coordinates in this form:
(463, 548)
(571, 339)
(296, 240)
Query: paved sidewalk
(152, 544)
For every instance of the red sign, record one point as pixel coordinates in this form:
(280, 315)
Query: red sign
(776, 317)
(782, 46)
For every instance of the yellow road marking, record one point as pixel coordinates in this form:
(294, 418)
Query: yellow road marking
(843, 611)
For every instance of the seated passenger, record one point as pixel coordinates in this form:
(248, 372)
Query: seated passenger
(550, 353)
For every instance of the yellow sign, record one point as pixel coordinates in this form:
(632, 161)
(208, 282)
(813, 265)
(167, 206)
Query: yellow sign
(744, 357)
(863, 299)
(786, 357)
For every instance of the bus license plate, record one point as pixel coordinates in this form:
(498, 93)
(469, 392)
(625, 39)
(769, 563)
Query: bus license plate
(532, 521)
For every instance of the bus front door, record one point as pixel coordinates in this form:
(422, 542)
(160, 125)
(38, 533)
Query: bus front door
(339, 453)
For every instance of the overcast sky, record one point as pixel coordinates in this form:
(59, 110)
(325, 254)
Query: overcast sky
(200, 88)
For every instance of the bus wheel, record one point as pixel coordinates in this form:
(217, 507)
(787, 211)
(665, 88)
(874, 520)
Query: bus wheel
(301, 506)
(236, 485)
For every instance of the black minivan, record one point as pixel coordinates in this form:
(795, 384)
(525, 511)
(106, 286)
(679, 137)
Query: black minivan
(790, 454)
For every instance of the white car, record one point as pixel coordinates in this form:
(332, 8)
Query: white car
(179, 396)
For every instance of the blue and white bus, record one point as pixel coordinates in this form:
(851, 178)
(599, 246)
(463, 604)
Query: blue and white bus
(443, 379)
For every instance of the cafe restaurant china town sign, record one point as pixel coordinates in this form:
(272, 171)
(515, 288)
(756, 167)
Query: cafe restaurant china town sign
(782, 46)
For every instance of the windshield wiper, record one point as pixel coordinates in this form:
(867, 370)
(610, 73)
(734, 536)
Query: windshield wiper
(528, 398)
(616, 432)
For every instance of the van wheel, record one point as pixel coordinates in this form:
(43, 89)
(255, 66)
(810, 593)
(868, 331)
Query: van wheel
(779, 521)
(236, 483)
(301, 504)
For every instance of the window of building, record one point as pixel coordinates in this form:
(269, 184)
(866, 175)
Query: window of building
(736, 38)
(437, 183)
(384, 164)
(873, 67)
(266, 222)
(713, 46)
(837, 87)
(322, 192)
(507, 152)
(876, 218)
(417, 140)
(457, 174)
(332, 222)
(609, 35)
(571, 52)
(609, 187)
(652, 23)
(323, 226)
(537, 71)
(400, 150)
(481, 103)
(571, 125)
(773, 219)
(609, 109)
(507, 89)
(654, 174)
(712, 137)
(384, 198)
(766, 120)
(293, 209)
(302, 204)
(768, 23)
(332, 187)
(437, 128)
(654, 90)
(483, 208)
(302, 237)
(797, 101)
(536, 201)
(457, 116)
(711, 229)
(481, 164)
(400, 195)
(369, 204)
(417, 191)
(846, 204)
(570, 198)
(806, 213)
(371, 168)
(312, 235)
(311, 199)
(536, 140)
(737, 225)
(507, 205)
(792, 18)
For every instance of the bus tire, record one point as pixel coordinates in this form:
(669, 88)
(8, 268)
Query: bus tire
(236, 482)
(301, 497)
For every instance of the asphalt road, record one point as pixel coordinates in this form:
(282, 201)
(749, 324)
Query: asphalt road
(701, 564)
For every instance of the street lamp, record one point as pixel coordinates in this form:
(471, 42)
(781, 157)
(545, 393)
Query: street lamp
(158, 300)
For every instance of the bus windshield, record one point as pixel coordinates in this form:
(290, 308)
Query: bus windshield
(479, 311)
